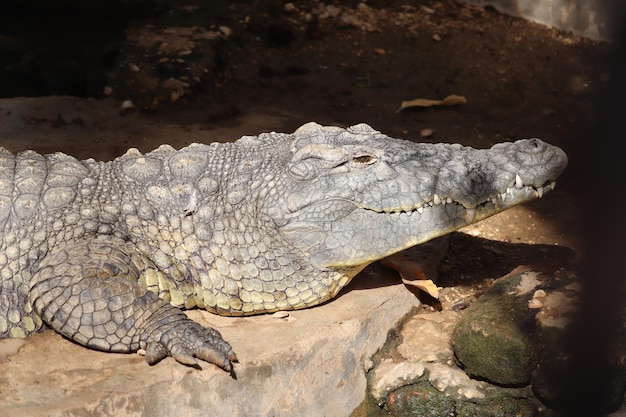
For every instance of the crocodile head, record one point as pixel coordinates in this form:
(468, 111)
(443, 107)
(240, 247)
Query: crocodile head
(348, 197)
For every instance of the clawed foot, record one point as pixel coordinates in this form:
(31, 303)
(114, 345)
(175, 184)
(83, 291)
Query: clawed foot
(186, 341)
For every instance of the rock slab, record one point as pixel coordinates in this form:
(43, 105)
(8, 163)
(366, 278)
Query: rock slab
(312, 362)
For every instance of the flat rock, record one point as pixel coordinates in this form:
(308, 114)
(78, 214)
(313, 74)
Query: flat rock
(310, 363)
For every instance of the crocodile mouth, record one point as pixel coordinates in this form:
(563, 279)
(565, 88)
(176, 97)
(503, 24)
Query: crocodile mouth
(313, 215)
(339, 233)
(516, 194)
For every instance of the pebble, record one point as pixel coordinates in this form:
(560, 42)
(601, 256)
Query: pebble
(127, 105)
(226, 31)
(426, 133)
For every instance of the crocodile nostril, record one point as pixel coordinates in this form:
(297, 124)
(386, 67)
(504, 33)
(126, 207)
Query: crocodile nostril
(535, 145)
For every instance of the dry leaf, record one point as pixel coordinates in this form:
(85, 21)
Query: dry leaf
(426, 285)
(451, 100)
(411, 273)
(405, 266)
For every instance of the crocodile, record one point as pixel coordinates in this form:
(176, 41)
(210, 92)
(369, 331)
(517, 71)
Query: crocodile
(110, 254)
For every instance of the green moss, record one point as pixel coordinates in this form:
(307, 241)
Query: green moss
(495, 339)
(504, 407)
(420, 400)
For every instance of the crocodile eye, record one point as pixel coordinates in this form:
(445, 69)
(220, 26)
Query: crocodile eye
(364, 159)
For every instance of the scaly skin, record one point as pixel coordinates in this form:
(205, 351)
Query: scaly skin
(108, 254)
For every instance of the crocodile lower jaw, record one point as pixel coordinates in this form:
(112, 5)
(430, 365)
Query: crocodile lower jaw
(514, 195)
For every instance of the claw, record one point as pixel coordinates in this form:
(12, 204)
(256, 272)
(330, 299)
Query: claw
(187, 360)
(155, 353)
(183, 355)
(214, 356)
(186, 341)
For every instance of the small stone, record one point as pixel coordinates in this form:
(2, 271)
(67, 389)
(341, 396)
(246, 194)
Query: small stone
(436, 37)
(426, 133)
(290, 8)
(134, 68)
(107, 91)
(174, 84)
(127, 105)
(226, 31)
(333, 11)
(535, 303)
(389, 376)
(539, 294)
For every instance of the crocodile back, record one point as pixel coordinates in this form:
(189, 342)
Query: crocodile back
(32, 188)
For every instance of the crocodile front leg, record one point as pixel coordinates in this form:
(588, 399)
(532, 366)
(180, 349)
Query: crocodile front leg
(88, 291)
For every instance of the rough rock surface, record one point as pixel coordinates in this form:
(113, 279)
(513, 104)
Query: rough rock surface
(421, 377)
(495, 340)
(512, 341)
(312, 362)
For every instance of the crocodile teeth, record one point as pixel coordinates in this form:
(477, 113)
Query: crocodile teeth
(545, 189)
(503, 196)
(420, 210)
(470, 214)
(436, 200)
(518, 182)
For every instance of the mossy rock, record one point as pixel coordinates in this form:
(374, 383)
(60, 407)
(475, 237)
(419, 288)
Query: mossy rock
(518, 407)
(421, 399)
(495, 339)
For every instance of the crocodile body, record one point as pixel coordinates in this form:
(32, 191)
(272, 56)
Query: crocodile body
(110, 253)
